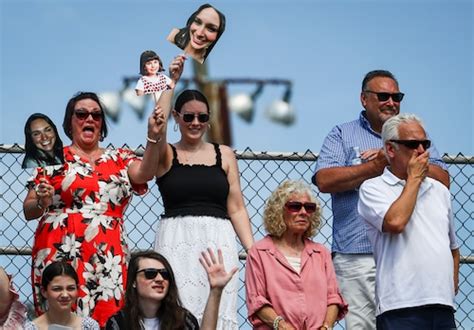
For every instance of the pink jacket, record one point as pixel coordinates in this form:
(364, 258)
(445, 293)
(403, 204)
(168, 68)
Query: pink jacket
(302, 299)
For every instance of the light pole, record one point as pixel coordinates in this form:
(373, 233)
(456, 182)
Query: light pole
(220, 103)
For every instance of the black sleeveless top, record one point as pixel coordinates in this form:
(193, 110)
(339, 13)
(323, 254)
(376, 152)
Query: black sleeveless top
(199, 190)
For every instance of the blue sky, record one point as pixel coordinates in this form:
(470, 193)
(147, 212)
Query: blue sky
(52, 49)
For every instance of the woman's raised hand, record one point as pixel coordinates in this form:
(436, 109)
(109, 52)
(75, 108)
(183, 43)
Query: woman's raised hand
(156, 123)
(216, 273)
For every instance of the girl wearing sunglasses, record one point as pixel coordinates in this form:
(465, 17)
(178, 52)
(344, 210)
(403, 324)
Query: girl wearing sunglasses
(289, 279)
(199, 184)
(152, 300)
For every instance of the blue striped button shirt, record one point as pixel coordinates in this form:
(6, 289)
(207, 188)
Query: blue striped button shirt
(340, 149)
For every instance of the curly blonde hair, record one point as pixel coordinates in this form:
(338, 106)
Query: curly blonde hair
(274, 210)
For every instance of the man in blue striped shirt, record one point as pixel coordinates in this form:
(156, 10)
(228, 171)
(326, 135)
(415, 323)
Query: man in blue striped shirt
(352, 153)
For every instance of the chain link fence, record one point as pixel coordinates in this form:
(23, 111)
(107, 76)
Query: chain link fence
(261, 173)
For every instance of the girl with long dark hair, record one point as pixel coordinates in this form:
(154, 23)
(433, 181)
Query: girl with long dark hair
(152, 299)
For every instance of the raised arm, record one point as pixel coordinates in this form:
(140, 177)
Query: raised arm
(235, 201)
(401, 210)
(156, 146)
(218, 279)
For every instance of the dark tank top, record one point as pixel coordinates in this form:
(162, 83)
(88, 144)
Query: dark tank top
(199, 190)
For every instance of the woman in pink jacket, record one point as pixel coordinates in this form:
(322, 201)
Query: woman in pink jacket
(290, 280)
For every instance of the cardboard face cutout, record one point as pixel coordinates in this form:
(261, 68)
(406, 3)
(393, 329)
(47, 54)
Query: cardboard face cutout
(202, 31)
(152, 81)
(43, 146)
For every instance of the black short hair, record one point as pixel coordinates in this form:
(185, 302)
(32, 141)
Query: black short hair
(67, 122)
(149, 55)
(377, 73)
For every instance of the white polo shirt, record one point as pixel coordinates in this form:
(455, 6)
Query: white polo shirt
(415, 267)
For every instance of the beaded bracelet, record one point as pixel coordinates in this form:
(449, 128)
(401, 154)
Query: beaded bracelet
(276, 322)
(153, 141)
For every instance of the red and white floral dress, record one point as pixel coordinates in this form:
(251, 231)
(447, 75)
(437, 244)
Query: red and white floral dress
(84, 225)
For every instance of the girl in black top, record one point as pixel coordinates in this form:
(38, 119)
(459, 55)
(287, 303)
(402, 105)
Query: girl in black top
(200, 186)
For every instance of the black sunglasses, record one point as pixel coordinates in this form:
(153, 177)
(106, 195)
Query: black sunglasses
(383, 97)
(296, 207)
(413, 144)
(83, 115)
(150, 273)
(189, 117)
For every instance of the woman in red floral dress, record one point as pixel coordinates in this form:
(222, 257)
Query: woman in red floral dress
(81, 205)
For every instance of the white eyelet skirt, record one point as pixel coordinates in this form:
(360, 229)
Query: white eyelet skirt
(181, 240)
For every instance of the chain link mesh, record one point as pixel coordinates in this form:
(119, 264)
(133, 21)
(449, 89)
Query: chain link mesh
(261, 173)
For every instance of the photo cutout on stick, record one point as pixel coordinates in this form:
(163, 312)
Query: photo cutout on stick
(43, 146)
(152, 80)
(202, 31)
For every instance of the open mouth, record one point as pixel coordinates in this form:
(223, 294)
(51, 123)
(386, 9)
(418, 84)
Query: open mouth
(89, 130)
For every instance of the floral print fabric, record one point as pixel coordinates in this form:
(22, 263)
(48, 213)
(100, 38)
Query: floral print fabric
(84, 225)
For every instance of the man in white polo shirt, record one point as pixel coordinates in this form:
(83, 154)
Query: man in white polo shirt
(411, 228)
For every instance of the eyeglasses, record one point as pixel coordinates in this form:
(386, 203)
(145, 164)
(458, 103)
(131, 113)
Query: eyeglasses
(83, 115)
(189, 117)
(383, 97)
(413, 144)
(150, 273)
(296, 207)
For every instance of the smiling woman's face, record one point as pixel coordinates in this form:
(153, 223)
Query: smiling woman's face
(43, 135)
(61, 293)
(204, 29)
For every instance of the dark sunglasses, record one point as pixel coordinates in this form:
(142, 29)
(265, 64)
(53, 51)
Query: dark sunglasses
(150, 273)
(83, 115)
(189, 117)
(296, 207)
(383, 97)
(413, 144)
